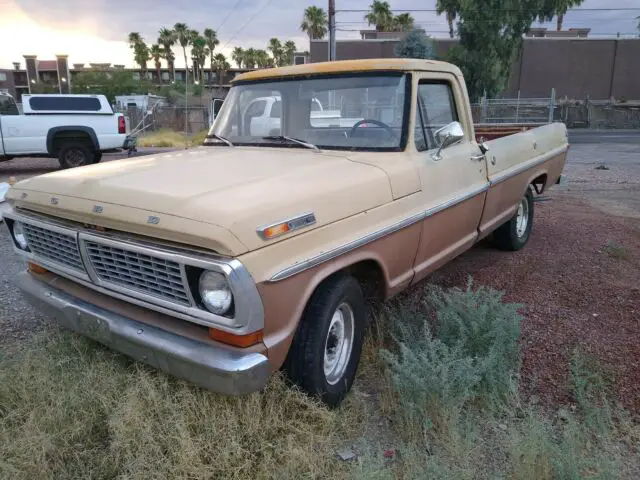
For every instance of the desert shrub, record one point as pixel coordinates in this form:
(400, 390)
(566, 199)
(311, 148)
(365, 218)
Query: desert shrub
(473, 357)
(484, 328)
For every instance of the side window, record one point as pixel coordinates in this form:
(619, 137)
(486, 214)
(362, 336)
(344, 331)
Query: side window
(8, 106)
(436, 108)
(276, 109)
(256, 109)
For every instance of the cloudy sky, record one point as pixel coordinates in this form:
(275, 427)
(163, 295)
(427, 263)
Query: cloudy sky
(96, 30)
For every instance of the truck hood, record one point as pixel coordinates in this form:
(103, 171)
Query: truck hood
(237, 189)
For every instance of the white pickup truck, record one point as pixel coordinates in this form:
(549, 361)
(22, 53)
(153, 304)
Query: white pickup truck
(76, 129)
(263, 115)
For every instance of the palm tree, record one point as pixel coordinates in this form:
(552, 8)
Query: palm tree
(238, 56)
(167, 38)
(250, 58)
(183, 36)
(551, 8)
(380, 15)
(199, 54)
(221, 66)
(451, 8)
(275, 47)
(263, 59)
(156, 54)
(212, 42)
(289, 51)
(314, 22)
(134, 39)
(404, 22)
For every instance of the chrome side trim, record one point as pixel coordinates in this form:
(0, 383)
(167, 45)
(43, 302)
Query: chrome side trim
(371, 237)
(506, 175)
(249, 311)
(295, 223)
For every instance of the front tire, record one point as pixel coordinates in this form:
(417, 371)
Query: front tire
(326, 349)
(74, 154)
(515, 234)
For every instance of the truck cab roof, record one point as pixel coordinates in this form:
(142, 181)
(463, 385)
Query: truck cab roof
(346, 66)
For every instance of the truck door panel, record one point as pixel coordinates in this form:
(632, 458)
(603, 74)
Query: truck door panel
(454, 186)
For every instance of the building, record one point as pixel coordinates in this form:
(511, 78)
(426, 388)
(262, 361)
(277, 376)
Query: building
(55, 76)
(574, 65)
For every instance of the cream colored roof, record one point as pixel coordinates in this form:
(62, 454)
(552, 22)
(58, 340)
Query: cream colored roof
(403, 64)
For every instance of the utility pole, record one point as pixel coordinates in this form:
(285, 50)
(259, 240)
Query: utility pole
(332, 30)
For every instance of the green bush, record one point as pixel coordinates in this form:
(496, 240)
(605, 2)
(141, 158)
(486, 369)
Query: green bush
(485, 329)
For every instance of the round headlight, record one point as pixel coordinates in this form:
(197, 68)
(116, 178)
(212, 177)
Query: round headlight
(215, 292)
(19, 236)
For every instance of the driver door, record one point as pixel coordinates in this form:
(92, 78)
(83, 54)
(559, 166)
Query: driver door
(453, 179)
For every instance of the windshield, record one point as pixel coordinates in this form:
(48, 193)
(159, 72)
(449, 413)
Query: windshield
(349, 111)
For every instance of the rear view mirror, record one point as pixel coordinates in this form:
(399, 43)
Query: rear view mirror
(446, 136)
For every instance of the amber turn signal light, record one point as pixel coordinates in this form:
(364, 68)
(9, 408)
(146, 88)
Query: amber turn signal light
(242, 341)
(32, 267)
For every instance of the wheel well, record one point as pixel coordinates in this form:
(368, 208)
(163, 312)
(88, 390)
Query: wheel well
(371, 278)
(68, 136)
(539, 183)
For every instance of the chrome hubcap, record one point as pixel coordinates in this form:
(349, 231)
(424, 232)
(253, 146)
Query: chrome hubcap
(522, 218)
(339, 343)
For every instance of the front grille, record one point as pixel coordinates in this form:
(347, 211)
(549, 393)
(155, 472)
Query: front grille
(54, 246)
(153, 276)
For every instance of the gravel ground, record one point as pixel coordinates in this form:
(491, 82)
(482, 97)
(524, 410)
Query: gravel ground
(576, 291)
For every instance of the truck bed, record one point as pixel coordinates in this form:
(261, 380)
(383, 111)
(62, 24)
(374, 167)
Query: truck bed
(491, 131)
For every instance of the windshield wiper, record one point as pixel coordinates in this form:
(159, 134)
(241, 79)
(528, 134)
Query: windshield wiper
(291, 139)
(218, 137)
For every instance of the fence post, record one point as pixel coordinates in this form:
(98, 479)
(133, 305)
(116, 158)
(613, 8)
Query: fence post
(485, 107)
(552, 104)
(518, 107)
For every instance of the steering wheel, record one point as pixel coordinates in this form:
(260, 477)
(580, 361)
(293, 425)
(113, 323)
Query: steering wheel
(374, 122)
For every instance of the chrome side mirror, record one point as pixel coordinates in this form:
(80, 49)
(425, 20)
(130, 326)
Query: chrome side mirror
(446, 136)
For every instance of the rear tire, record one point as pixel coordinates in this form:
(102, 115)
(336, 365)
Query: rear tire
(75, 154)
(515, 233)
(326, 349)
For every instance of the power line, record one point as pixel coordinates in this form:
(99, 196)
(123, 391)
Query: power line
(247, 23)
(228, 15)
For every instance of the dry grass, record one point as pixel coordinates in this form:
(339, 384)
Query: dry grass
(70, 408)
(616, 250)
(170, 138)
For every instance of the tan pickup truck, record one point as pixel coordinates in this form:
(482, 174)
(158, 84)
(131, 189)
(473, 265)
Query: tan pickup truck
(253, 253)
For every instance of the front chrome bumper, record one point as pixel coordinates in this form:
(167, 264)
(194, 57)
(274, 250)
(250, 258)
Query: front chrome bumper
(224, 371)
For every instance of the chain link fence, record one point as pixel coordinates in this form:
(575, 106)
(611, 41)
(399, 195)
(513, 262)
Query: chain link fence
(192, 119)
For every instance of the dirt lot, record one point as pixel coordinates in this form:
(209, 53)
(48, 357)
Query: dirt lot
(578, 279)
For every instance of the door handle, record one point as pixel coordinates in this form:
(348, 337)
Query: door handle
(477, 158)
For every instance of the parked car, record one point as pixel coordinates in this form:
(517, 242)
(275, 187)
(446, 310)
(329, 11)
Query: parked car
(76, 129)
(250, 254)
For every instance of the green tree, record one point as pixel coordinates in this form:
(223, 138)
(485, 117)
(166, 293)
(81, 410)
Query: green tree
(415, 45)
(289, 50)
(380, 15)
(140, 51)
(183, 37)
(167, 38)
(314, 22)
(156, 55)
(263, 60)
(249, 59)
(110, 84)
(404, 22)
(199, 54)
(450, 7)
(275, 47)
(559, 8)
(221, 65)
(212, 42)
(490, 39)
(237, 55)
